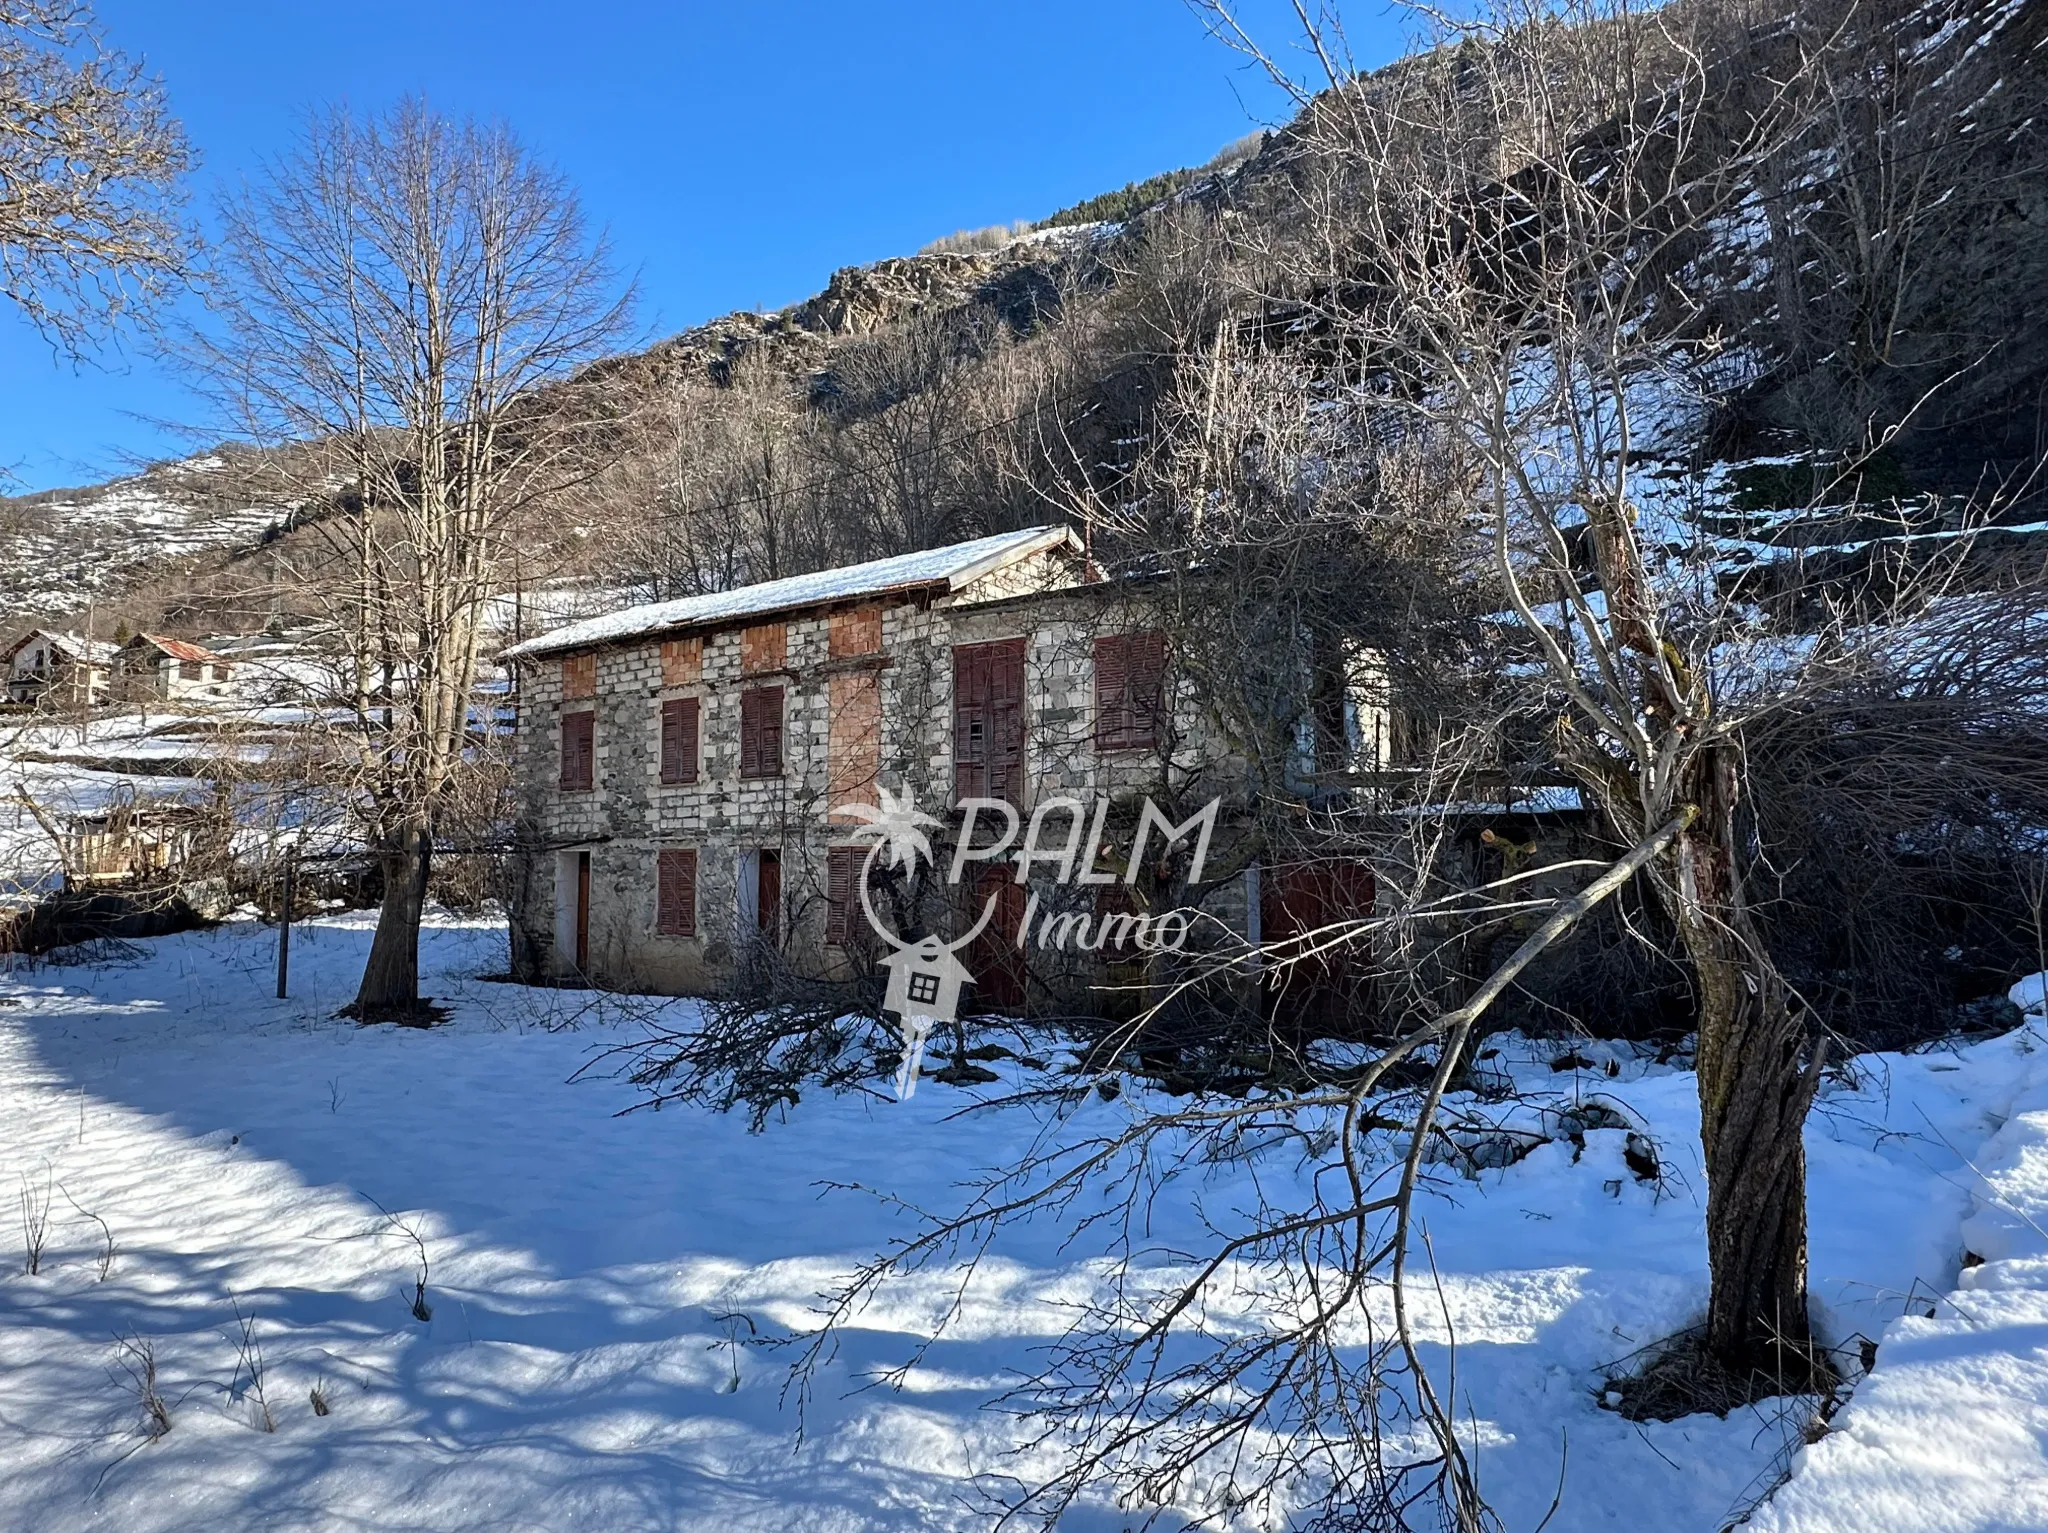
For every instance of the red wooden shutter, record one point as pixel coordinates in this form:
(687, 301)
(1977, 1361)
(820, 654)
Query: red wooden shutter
(671, 742)
(761, 732)
(970, 721)
(1130, 686)
(842, 867)
(988, 720)
(679, 740)
(1006, 721)
(675, 892)
(771, 731)
(1146, 660)
(693, 715)
(1112, 692)
(750, 736)
(579, 750)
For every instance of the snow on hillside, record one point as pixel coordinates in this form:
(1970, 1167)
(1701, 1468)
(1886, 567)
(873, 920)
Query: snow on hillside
(66, 549)
(599, 1286)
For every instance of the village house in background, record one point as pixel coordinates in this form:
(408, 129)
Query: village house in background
(680, 764)
(152, 668)
(143, 843)
(58, 670)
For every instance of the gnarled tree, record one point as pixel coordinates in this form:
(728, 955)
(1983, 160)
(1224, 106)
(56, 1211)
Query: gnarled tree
(1533, 242)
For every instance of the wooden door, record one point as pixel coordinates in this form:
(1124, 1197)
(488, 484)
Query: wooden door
(1332, 991)
(768, 896)
(994, 958)
(988, 720)
(583, 912)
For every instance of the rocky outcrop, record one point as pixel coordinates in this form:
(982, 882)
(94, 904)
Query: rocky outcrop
(860, 300)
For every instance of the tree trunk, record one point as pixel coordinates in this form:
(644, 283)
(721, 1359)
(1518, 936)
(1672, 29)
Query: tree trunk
(390, 991)
(1756, 1081)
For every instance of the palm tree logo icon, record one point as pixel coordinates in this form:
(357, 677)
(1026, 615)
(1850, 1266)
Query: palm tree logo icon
(896, 827)
(924, 976)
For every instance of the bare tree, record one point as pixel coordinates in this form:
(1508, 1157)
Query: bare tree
(1520, 243)
(90, 160)
(413, 295)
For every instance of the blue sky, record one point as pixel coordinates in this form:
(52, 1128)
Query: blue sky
(738, 152)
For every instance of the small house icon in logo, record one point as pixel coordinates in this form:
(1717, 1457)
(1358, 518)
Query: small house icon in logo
(925, 976)
(924, 981)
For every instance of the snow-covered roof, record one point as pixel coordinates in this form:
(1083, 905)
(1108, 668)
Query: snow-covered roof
(70, 645)
(951, 567)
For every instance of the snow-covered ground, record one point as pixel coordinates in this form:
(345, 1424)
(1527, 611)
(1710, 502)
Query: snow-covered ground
(53, 770)
(595, 1281)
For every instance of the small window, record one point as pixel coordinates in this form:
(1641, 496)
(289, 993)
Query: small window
(675, 892)
(579, 676)
(579, 750)
(1130, 686)
(761, 732)
(679, 716)
(191, 670)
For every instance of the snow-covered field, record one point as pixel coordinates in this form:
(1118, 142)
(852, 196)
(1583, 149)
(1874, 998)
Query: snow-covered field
(595, 1281)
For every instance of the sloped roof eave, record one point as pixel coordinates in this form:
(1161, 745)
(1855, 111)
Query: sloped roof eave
(177, 649)
(924, 571)
(95, 652)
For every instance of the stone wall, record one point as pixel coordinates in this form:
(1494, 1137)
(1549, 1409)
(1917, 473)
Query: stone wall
(882, 689)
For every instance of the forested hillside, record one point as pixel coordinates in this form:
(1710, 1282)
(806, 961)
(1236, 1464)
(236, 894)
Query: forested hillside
(940, 396)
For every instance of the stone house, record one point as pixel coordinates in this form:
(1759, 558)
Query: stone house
(153, 668)
(58, 670)
(684, 768)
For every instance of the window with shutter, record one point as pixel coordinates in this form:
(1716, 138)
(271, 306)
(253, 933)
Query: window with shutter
(761, 732)
(843, 916)
(988, 720)
(679, 717)
(1130, 690)
(675, 892)
(579, 750)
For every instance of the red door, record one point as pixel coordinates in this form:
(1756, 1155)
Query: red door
(1330, 992)
(768, 898)
(994, 958)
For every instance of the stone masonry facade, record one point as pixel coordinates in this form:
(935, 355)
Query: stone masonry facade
(857, 694)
